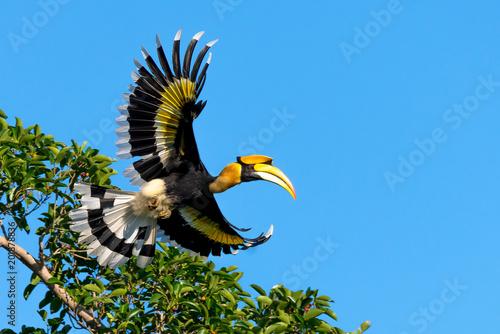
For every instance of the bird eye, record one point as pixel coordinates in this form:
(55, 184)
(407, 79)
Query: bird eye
(250, 167)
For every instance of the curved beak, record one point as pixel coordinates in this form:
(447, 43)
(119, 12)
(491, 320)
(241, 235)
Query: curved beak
(273, 174)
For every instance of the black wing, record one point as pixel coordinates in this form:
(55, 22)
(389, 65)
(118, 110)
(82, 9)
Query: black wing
(156, 124)
(200, 227)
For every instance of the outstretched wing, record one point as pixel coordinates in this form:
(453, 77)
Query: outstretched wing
(156, 124)
(200, 227)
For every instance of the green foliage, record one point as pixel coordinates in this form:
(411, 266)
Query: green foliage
(175, 294)
(35, 169)
(181, 294)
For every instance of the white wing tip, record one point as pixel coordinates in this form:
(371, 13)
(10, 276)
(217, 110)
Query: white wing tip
(270, 232)
(135, 77)
(145, 54)
(123, 154)
(209, 44)
(131, 88)
(178, 35)
(122, 107)
(198, 35)
(137, 64)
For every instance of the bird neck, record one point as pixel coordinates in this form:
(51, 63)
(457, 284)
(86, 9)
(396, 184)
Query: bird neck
(228, 177)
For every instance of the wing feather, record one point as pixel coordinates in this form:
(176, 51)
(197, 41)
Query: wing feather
(163, 61)
(156, 123)
(205, 231)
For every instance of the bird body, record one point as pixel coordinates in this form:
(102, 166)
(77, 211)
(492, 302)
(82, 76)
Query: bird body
(176, 199)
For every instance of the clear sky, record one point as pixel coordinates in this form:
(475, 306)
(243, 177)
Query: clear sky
(385, 115)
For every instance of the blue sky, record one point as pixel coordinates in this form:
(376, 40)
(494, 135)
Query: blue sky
(383, 114)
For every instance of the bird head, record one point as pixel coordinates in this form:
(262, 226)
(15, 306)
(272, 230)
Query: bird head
(251, 168)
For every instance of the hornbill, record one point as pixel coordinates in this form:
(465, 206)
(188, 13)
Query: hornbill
(176, 199)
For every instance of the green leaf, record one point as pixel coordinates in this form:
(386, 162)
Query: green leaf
(29, 289)
(257, 330)
(324, 327)
(38, 130)
(4, 133)
(331, 314)
(34, 279)
(312, 313)
(55, 305)
(213, 282)
(54, 280)
(103, 164)
(92, 287)
(54, 150)
(264, 300)
(284, 317)
(155, 297)
(177, 289)
(23, 224)
(365, 325)
(205, 311)
(76, 146)
(231, 268)
(46, 300)
(133, 313)
(325, 298)
(211, 265)
(297, 295)
(192, 305)
(186, 289)
(19, 128)
(102, 157)
(298, 317)
(163, 246)
(258, 289)
(62, 153)
(99, 283)
(43, 314)
(118, 292)
(227, 295)
(104, 178)
(276, 329)
(110, 316)
(323, 303)
(248, 301)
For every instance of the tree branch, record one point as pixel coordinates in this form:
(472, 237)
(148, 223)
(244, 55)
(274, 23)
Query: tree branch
(39, 269)
(3, 229)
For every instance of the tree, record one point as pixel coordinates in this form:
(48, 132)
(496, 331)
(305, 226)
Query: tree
(175, 294)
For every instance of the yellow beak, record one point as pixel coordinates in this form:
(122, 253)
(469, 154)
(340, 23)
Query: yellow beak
(273, 174)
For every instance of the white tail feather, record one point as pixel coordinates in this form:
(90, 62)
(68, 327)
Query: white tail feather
(107, 224)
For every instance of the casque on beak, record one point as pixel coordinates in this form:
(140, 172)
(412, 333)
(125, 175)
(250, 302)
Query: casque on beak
(260, 167)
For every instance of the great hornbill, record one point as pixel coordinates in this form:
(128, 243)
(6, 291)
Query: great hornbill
(176, 199)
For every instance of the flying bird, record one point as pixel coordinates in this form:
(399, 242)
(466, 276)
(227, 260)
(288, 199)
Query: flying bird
(176, 199)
